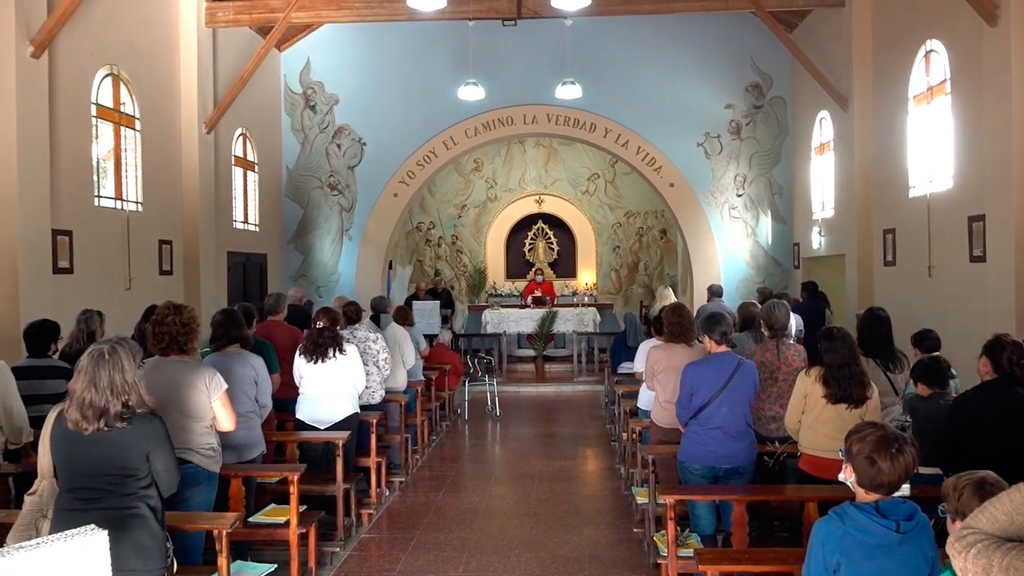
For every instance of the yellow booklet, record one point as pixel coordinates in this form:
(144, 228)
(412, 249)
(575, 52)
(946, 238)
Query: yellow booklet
(686, 543)
(273, 514)
(642, 495)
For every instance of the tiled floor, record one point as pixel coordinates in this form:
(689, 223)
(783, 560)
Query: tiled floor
(535, 493)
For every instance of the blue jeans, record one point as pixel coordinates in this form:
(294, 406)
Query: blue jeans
(197, 491)
(703, 515)
(643, 414)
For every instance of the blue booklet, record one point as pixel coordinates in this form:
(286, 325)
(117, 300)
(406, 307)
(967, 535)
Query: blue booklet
(243, 568)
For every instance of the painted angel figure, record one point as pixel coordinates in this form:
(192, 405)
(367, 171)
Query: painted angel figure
(344, 153)
(311, 112)
(320, 233)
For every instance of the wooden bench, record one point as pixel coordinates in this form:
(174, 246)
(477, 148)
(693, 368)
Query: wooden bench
(299, 522)
(444, 398)
(335, 485)
(219, 523)
(740, 495)
(376, 461)
(399, 438)
(419, 421)
(716, 561)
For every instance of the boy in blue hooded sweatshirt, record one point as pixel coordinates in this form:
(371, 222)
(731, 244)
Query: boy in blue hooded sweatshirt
(876, 533)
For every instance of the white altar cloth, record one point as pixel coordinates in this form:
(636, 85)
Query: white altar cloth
(524, 321)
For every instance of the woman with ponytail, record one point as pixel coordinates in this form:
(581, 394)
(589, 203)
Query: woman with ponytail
(984, 429)
(779, 361)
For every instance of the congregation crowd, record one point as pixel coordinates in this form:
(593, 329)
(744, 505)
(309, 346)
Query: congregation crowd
(719, 382)
(141, 425)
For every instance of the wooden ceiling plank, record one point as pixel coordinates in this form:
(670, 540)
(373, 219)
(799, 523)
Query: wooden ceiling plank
(988, 10)
(51, 27)
(798, 53)
(250, 69)
(296, 38)
(245, 13)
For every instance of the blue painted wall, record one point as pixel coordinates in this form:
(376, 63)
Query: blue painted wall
(666, 77)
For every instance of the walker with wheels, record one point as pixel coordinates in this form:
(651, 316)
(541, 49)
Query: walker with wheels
(482, 372)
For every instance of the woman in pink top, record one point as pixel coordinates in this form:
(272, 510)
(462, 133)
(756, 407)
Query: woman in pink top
(662, 373)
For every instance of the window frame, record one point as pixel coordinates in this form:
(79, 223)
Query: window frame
(247, 164)
(823, 159)
(930, 109)
(119, 121)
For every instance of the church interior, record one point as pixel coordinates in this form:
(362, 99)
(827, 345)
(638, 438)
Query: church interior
(530, 182)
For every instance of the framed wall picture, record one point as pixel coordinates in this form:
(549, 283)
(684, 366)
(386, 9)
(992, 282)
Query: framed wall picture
(165, 257)
(63, 251)
(889, 247)
(796, 255)
(976, 239)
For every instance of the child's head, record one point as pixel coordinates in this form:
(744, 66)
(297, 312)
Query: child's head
(931, 374)
(925, 341)
(964, 492)
(877, 460)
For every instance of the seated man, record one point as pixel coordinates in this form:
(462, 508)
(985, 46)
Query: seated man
(926, 342)
(538, 287)
(963, 493)
(927, 409)
(418, 295)
(441, 353)
(42, 379)
(876, 533)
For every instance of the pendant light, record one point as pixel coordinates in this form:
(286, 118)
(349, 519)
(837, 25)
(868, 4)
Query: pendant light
(569, 5)
(428, 5)
(568, 89)
(471, 90)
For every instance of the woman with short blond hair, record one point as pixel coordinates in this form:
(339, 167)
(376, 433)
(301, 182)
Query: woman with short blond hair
(113, 459)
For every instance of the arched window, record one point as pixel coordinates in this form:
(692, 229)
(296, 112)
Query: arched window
(245, 183)
(930, 122)
(116, 149)
(823, 168)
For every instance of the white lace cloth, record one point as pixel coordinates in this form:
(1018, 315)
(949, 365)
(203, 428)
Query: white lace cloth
(83, 551)
(524, 321)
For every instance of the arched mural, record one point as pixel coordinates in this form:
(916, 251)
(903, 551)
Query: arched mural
(447, 224)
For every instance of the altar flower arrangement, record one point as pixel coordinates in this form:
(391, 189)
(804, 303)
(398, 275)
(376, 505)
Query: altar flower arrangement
(506, 290)
(569, 289)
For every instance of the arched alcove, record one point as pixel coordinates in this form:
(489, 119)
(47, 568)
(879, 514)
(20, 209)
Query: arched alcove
(606, 141)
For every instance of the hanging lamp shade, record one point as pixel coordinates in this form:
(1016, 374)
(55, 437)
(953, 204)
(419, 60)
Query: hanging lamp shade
(428, 5)
(471, 91)
(569, 89)
(569, 5)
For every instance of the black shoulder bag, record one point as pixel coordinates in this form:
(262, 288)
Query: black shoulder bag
(717, 393)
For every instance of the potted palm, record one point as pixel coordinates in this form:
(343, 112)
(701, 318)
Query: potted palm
(542, 337)
(476, 281)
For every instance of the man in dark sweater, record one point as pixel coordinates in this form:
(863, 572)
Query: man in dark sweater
(927, 408)
(812, 310)
(442, 294)
(42, 379)
(299, 314)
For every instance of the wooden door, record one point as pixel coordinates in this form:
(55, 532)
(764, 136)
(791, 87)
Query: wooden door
(247, 277)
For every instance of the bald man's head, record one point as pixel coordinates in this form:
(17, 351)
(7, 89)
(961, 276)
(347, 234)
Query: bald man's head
(421, 289)
(296, 296)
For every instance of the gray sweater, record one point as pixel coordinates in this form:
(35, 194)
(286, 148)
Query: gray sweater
(249, 390)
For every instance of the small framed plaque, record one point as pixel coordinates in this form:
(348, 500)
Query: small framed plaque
(63, 248)
(165, 256)
(796, 255)
(976, 239)
(889, 247)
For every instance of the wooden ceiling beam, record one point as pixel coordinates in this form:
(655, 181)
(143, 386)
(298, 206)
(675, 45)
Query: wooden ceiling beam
(250, 69)
(51, 27)
(988, 10)
(282, 46)
(798, 53)
(249, 13)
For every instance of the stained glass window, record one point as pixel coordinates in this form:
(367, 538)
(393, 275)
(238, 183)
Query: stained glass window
(245, 183)
(116, 148)
(823, 168)
(930, 122)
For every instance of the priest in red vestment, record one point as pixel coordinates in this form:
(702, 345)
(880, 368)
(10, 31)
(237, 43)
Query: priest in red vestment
(539, 286)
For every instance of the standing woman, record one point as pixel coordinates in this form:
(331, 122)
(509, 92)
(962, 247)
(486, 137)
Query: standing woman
(89, 328)
(662, 373)
(329, 374)
(779, 362)
(748, 328)
(249, 389)
(718, 446)
(827, 401)
(113, 459)
(194, 403)
(887, 366)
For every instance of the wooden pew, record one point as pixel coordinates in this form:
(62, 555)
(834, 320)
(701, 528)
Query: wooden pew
(444, 398)
(304, 522)
(377, 462)
(398, 438)
(740, 495)
(420, 422)
(336, 484)
(220, 524)
(716, 561)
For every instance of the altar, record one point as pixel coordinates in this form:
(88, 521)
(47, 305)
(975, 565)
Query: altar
(524, 320)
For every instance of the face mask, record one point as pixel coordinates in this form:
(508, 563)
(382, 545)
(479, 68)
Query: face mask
(849, 483)
(538, 278)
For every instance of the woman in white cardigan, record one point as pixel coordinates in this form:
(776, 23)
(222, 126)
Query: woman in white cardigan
(329, 375)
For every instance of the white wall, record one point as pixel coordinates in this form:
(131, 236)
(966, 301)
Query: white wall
(965, 302)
